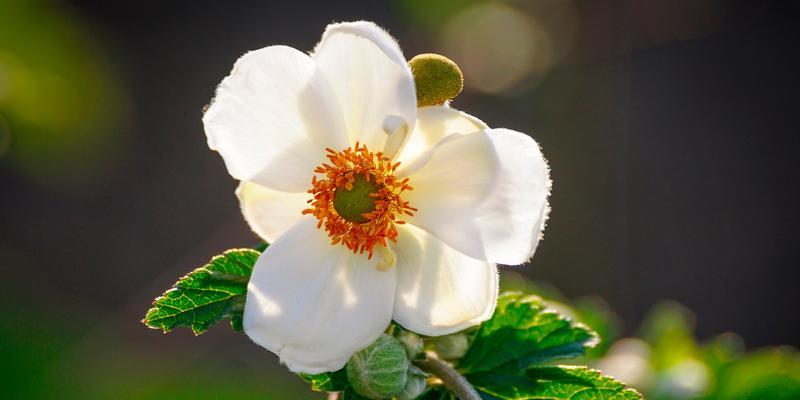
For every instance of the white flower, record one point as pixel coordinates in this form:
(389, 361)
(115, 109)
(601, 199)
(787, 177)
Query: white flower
(367, 241)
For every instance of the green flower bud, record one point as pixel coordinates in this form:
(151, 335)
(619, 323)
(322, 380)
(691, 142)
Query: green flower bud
(415, 385)
(380, 370)
(449, 347)
(412, 343)
(437, 78)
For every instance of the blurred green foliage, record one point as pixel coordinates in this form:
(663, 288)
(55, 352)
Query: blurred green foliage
(763, 374)
(27, 349)
(44, 359)
(671, 364)
(60, 102)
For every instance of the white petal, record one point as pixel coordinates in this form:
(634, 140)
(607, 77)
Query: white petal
(269, 212)
(511, 220)
(273, 117)
(449, 182)
(440, 290)
(368, 30)
(371, 78)
(434, 123)
(505, 225)
(315, 304)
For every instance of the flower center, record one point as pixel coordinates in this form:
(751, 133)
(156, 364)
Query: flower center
(357, 199)
(356, 203)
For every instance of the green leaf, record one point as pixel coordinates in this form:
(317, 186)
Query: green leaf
(522, 333)
(206, 295)
(552, 383)
(327, 381)
(596, 313)
(333, 382)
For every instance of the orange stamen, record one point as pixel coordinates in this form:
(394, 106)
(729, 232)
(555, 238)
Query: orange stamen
(340, 172)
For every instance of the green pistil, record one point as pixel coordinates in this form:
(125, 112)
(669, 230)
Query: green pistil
(353, 204)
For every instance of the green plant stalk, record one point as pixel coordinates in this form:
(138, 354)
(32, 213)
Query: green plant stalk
(449, 376)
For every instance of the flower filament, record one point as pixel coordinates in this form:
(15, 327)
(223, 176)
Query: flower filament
(358, 199)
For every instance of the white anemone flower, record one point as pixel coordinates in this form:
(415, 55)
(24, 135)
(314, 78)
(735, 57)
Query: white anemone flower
(375, 209)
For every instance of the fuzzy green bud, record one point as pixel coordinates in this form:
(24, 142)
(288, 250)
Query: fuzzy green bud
(415, 384)
(438, 79)
(412, 343)
(449, 347)
(380, 370)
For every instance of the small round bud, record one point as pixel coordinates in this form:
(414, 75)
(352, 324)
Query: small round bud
(449, 347)
(415, 385)
(380, 370)
(412, 343)
(438, 79)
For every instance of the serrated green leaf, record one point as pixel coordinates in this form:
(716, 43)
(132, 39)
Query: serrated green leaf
(596, 313)
(327, 381)
(206, 295)
(333, 382)
(552, 383)
(522, 333)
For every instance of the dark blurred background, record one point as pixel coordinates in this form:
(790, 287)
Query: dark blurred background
(671, 129)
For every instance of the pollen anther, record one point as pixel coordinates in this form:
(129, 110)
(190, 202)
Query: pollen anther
(357, 199)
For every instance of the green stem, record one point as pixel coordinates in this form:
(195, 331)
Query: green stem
(450, 377)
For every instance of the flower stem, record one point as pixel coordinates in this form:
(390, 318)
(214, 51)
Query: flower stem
(450, 377)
